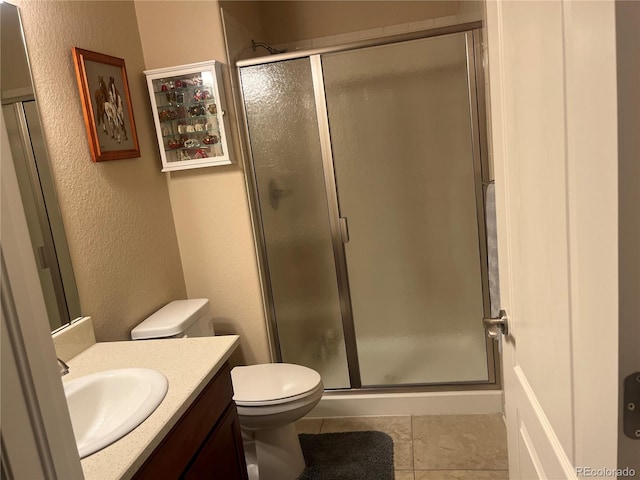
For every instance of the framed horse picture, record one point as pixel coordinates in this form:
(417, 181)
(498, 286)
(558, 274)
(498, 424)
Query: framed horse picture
(106, 104)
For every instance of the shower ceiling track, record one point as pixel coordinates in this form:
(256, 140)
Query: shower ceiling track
(373, 42)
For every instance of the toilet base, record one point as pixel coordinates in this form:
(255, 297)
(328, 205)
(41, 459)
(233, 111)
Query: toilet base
(277, 453)
(250, 456)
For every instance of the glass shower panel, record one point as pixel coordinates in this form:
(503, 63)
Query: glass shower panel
(29, 192)
(285, 146)
(400, 123)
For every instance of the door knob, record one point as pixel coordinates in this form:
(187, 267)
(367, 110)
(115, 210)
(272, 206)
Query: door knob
(493, 325)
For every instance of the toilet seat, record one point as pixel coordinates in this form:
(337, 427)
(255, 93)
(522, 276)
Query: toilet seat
(273, 384)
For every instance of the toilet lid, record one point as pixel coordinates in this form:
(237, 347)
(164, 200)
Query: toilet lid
(272, 381)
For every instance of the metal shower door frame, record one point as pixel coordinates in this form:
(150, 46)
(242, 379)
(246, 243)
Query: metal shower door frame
(46, 256)
(339, 254)
(473, 40)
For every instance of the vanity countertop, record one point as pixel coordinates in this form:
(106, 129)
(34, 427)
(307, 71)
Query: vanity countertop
(188, 363)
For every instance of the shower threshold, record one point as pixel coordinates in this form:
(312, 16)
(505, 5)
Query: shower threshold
(464, 402)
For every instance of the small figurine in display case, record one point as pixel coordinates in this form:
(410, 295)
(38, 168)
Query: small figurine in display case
(196, 111)
(199, 95)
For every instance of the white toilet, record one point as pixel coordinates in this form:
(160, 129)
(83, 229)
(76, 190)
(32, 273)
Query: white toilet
(269, 397)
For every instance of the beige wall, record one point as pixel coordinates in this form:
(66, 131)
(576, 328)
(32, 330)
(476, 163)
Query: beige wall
(117, 214)
(250, 12)
(15, 75)
(290, 21)
(210, 205)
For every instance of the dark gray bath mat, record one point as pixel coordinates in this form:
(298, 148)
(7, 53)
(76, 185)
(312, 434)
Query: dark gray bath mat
(348, 456)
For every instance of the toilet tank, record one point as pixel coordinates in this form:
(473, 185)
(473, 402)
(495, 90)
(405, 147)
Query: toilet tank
(178, 319)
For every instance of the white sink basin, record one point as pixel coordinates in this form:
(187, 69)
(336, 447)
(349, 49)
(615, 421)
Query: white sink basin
(105, 406)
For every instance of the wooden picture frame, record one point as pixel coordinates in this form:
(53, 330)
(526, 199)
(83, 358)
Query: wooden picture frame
(106, 104)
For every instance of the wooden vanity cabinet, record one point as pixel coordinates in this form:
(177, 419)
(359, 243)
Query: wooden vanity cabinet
(205, 443)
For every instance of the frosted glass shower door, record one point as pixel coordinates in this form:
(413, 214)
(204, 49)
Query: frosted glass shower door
(287, 162)
(400, 125)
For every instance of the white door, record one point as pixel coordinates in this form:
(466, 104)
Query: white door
(554, 139)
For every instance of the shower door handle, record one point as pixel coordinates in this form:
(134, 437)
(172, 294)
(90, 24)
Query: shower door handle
(41, 258)
(344, 230)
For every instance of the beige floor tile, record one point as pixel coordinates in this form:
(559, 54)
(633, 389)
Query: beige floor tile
(398, 428)
(308, 425)
(461, 475)
(404, 475)
(459, 442)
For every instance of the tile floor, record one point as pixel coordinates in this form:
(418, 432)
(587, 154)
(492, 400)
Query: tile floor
(433, 447)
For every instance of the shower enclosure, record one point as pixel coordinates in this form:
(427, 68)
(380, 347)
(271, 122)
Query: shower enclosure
(367, 167)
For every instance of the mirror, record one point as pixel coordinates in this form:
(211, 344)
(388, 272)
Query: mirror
(35, 180)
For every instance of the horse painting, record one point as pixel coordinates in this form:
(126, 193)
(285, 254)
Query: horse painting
(110, 110)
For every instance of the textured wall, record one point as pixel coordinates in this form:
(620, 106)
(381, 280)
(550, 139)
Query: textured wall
(117, 214)
(210, 205)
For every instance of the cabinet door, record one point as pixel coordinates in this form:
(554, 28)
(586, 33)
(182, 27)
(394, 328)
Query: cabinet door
(176, 452)
(222, 455)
